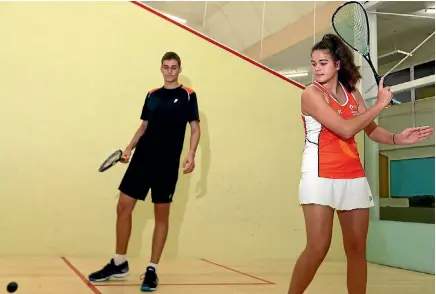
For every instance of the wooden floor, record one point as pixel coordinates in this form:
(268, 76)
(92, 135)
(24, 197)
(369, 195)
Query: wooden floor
(68, 276)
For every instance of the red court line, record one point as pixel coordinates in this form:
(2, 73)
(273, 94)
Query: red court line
(187, 284)
(218, 44)
(79, 274)
(239, 272)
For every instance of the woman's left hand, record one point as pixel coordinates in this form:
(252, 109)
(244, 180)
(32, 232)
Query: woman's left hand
(413, 135)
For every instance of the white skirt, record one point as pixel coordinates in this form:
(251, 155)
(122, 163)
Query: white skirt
(340, 194)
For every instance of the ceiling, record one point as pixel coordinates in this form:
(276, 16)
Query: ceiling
(243, 24)
(392, 27)
(223, 21)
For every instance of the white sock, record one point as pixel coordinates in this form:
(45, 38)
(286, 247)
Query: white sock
(119, 259)
(153, 265)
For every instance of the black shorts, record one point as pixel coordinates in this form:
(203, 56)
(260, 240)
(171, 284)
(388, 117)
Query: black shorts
(144, 174)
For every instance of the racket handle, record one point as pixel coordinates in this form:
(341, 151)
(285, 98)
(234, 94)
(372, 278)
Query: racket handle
(394, 102)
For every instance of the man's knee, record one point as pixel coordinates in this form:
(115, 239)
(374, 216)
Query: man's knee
(125, 205)
(162, 212)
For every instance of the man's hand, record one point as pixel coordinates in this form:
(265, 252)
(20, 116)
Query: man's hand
(189, 164)
(126, 155)
(413, 135)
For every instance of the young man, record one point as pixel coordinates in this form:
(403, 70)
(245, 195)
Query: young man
(158, 144)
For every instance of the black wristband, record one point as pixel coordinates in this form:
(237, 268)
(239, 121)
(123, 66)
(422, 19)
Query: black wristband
(393, 138)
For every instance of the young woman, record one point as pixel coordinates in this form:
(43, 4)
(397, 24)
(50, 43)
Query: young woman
(333, 178)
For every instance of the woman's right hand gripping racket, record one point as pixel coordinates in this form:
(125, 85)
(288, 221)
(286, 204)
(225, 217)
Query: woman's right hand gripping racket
(113, 159)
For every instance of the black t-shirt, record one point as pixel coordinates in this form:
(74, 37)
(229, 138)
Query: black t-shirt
(167, 112)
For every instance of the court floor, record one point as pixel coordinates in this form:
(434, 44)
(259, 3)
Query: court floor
(66, 275)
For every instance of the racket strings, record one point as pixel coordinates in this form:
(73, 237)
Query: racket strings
(351, 24)
(113, 158)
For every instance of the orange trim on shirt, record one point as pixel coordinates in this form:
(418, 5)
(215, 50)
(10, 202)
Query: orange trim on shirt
(153, 90)
(190, 91)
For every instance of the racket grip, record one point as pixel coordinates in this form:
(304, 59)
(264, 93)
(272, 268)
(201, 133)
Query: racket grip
(394, 102)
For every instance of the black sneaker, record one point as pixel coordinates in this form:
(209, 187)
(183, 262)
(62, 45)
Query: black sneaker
(110, 271)
(150, 281)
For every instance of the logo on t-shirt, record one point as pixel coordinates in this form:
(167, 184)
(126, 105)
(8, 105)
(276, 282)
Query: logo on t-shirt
(354, 110)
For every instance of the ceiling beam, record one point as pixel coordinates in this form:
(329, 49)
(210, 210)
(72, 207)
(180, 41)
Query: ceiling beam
(317, 21)
(371, 5)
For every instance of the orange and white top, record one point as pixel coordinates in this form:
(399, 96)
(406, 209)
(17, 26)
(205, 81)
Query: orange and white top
(326, 154)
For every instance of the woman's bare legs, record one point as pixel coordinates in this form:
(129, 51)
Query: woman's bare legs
(354, 224)
(319, 224)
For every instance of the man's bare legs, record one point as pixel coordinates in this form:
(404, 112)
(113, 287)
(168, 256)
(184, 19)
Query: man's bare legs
(354, 224)
(125, 208)
(319, 224)
(118, 267)
(161, 217)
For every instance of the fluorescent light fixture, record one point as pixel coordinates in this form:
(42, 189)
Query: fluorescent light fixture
(175, 18)
(289, 74)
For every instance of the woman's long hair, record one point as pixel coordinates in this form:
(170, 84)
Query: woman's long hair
(348, 74)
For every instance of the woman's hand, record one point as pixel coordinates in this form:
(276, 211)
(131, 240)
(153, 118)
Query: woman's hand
(413, 135)
(384, 95)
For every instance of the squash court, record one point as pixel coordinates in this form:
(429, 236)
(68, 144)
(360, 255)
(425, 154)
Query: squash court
(56, 222)
(67, 275)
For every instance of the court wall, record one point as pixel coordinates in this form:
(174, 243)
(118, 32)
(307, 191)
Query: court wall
(74, 78)
(402, 244)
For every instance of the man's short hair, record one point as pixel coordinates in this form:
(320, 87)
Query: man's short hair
(171, 56)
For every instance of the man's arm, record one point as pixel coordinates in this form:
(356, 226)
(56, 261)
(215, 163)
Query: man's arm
(138, 135)
(195, 137)
(194, 121)
(145, 114)
(373, 131)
